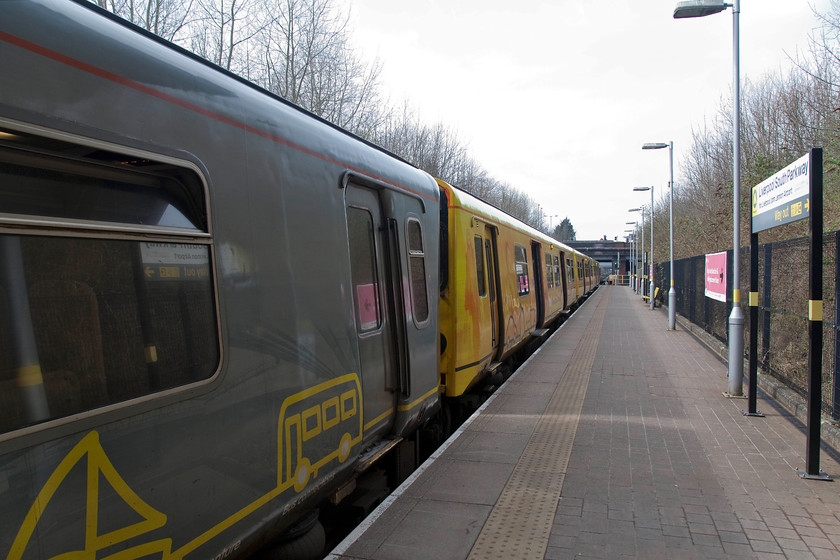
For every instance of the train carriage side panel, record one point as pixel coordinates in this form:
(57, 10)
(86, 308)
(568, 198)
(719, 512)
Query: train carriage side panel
(554, 302)
(281, 413)
(521, 284)
(516, 292)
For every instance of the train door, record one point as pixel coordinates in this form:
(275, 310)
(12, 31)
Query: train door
(371, 280)
(539, 287)
(492, 282)
(565, 276)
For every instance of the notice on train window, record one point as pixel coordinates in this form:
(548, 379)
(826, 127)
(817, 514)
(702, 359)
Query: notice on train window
(175, 261)
(784, 197)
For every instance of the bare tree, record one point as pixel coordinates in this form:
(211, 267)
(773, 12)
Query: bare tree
(165, 18)
(223, 32)
(308, 59)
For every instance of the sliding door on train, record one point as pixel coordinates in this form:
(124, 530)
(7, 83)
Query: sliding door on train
(492, 285)
(375, 316)
(539, 286)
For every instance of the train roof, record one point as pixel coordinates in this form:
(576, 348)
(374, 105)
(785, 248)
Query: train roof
(112, 56)
(231, 75)
(462, 200)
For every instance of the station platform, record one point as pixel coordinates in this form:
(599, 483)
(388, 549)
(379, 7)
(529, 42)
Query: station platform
(613, 441)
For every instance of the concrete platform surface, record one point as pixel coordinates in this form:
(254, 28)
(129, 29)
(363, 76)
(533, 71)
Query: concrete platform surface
(613, 441)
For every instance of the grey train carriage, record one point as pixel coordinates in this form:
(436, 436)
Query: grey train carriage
(207, 298)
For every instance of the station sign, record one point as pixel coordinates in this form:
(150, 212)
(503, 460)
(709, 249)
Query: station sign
(175, 261)
(716, 276)
(784, 197)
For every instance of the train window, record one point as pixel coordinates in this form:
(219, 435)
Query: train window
(363, 269)
(488, 254)
(557, 270)
(521, 258)
(417, 271)
(99, 186)
(549, 271)
(96, 320)
(86, 323)
(479, 266)
(570, 272)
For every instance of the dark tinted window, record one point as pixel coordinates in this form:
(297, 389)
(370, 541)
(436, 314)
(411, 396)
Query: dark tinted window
(86, 323)
(417, 271)
(479, 267)
(99, 187)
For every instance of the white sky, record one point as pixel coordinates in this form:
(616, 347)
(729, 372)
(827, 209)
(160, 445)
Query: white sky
(557, 97)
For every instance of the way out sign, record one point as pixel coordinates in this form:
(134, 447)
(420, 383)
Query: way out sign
(784, 197)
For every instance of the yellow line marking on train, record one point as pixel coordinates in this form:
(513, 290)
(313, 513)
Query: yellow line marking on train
(379, 418)
(409, 406)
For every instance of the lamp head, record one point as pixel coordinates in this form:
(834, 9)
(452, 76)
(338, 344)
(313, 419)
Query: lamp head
(655, 146)
(698, 8)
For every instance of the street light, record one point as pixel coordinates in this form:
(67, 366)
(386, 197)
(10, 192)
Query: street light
(640, 189)
(672, 295)
(641, 256)
(700, 8)
(633, 267)
(629, 239)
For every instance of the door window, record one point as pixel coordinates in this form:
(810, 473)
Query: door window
(521, 259)
(479, 267)
(363, 269)
(417, 272)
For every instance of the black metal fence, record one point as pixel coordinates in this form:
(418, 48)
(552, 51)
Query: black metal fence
(783, 309)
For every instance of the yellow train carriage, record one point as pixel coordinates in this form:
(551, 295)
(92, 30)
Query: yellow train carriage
(503, 282)
(586, 277)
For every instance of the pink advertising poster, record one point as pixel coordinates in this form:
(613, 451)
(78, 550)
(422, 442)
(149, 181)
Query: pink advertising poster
(716, 276)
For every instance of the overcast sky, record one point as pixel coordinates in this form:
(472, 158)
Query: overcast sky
(557, 97)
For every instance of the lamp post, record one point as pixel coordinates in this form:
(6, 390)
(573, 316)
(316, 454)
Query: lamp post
(700, 8)
(628, 236)
(641, 189)
(633, 253)
(672, 294)
(641, 255)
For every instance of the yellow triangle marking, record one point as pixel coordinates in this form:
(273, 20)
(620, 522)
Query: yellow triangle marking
(97, 462)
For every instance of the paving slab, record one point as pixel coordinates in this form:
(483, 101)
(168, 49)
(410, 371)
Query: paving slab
(613, 441)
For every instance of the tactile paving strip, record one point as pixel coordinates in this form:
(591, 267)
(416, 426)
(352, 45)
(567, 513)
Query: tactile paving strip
(520, 523)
